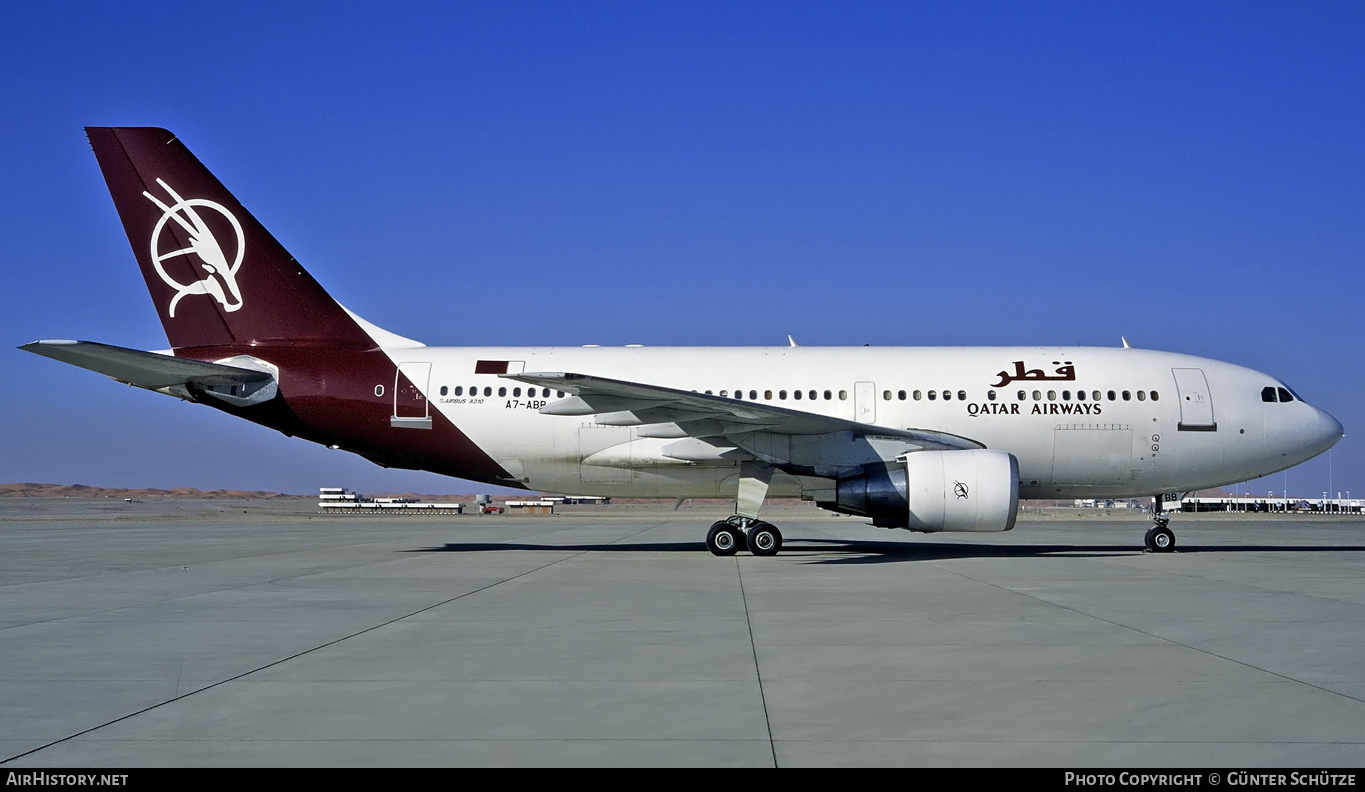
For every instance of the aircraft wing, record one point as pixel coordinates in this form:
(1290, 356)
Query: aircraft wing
(818, 444)
(149, 370)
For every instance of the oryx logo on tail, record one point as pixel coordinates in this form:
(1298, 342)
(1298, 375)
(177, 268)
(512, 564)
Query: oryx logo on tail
(204, 248)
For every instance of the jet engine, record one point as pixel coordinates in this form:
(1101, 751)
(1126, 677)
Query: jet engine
(970, 490)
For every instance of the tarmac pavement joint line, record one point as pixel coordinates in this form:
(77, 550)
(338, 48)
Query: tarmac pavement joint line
(334, 642)
(758, 672)
(1163, 638)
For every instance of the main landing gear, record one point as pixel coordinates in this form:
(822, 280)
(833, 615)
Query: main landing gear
(727, 536)
(744, 529)
(1160, 538)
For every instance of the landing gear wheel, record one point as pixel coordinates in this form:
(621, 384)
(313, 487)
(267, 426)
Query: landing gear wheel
(764, 539)
(1160, 539)
(723, 539)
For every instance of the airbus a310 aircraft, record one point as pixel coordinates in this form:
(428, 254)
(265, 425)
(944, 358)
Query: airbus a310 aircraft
(927, 439)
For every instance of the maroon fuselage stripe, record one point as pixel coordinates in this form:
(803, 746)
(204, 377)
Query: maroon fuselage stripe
(327, 395)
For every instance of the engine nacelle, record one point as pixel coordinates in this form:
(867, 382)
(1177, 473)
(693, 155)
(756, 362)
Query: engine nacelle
(973, 490)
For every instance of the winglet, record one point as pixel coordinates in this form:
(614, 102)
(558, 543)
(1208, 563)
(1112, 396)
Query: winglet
(791, 341)
(1126, 345)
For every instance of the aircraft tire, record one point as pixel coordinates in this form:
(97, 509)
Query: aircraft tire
(764, 539)
(1161, 540)
(723, 539)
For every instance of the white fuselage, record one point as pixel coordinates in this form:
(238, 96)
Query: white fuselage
(1082, 422)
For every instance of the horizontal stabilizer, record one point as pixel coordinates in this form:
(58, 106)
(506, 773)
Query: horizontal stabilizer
(145, 369)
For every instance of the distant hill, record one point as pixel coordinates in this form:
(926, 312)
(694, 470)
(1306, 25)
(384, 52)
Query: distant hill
(30, 490)
(85, 491)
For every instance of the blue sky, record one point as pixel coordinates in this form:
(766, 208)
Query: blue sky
(1187, 175)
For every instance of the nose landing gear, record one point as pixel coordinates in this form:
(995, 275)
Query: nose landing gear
(1160, 538)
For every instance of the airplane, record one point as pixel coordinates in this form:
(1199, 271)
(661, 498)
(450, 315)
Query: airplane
(924, 439)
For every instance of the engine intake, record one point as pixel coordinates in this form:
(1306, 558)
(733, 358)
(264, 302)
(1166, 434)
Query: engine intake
(972, 490)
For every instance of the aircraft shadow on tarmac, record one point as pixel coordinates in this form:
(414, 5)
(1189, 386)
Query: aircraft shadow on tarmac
(850, 552)
(866, 552)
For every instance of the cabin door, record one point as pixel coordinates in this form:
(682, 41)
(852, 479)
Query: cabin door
(865, 402)
(411, 410)
(1196, 404)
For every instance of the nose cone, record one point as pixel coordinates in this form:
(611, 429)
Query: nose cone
(1300, 433)
(1325, 430)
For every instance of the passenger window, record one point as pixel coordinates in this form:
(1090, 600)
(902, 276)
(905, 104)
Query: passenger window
(796, 395)
(782, 395)
(1066, 395)
(1023, 395)
(1080, 395)
(444, 390)
(1037, 395)
(768, 395)
(754, 395)
(812, 395)
(560, 394)
(725, 393)
(502, 391)
(516, 392)
(828, 395)
(1111, 395)
(990, 395)
(1127, 396)
(917, 395)
(933, 395)
(947, 395)
(1142, 396)
(1155, 396)
(487, 390)
(962, 395)
(886, 395)
(1286, 396)
(900, 395)
(843, 395)
(459, 390)
(1052, 395)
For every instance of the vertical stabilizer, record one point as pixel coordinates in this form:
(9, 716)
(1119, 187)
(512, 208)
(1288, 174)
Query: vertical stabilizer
(216, 276)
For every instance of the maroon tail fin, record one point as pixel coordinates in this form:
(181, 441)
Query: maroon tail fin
(216, 275)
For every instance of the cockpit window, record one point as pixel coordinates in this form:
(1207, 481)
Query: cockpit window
(1285, 395)
(1268, 394)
